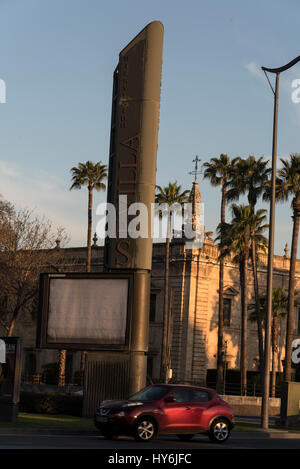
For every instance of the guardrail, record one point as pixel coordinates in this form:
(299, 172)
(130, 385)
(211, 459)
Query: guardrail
(234, 389)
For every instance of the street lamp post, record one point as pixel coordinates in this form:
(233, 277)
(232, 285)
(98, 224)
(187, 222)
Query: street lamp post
(268, 321)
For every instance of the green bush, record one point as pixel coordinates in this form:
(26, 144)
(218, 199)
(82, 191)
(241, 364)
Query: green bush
(50, 403)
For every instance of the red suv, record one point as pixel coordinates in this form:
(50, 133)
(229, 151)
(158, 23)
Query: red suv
(167, 408)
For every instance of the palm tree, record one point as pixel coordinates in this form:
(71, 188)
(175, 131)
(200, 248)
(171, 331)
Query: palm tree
(235, 240)
(251, 176)
(172, 197)
(279, 310)
(90, 175)
(288, 185)
(219, 171)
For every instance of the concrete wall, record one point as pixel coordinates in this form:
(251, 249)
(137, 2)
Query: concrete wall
(251, 405)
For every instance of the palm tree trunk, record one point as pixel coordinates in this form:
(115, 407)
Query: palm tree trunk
(274, 355)
(62, 368)
(220, 357)
(164, 352)
(244, 304)
(89, 232)
(258, 318)
(291, 300)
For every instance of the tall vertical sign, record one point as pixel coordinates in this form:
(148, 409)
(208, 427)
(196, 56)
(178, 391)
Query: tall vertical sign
(131, 180)
(133, 145)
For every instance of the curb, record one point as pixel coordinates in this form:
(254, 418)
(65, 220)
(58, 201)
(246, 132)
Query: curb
(39, 431)
(279, 434)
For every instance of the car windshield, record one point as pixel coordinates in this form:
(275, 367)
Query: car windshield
(152, 393)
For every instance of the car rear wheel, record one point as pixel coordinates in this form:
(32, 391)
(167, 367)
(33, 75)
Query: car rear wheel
(145, 429)
(219, 431)
(185, 437)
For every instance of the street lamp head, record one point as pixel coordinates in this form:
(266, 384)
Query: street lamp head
(283, 68)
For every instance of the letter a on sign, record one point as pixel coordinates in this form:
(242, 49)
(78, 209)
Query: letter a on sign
(2, 351)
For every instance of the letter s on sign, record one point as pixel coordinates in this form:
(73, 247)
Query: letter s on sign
(124, 251)
(296, 352)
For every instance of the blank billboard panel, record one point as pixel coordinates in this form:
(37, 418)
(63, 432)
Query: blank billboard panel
(84, 311)
(88, 310)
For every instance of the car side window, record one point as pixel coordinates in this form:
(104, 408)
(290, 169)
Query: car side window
(181, 395)
(200, 396)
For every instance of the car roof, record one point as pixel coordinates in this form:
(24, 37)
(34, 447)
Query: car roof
(188, 386)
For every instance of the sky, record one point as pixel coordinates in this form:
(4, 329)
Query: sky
(57, 59)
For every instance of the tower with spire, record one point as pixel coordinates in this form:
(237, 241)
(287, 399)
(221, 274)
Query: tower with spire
(196, 204)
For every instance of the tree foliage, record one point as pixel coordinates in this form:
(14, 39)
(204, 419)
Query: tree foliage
(27, 247)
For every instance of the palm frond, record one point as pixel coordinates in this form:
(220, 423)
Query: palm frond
(89, 174)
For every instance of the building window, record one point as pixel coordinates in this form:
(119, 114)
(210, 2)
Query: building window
(227, 311)
(152, 307)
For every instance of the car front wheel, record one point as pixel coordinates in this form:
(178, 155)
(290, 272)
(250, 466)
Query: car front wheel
(219, 431)
(145, 429)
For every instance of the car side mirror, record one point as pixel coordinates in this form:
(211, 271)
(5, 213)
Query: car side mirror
(170, 399)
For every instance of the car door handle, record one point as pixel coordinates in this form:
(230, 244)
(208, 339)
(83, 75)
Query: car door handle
(188, 408)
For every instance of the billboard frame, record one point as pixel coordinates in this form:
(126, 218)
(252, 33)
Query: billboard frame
(43, 311)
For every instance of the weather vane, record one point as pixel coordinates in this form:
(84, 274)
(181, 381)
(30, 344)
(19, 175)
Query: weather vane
(196, 171)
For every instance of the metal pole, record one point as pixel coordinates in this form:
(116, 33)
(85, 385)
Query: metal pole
(266, 380)
(266, 373)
